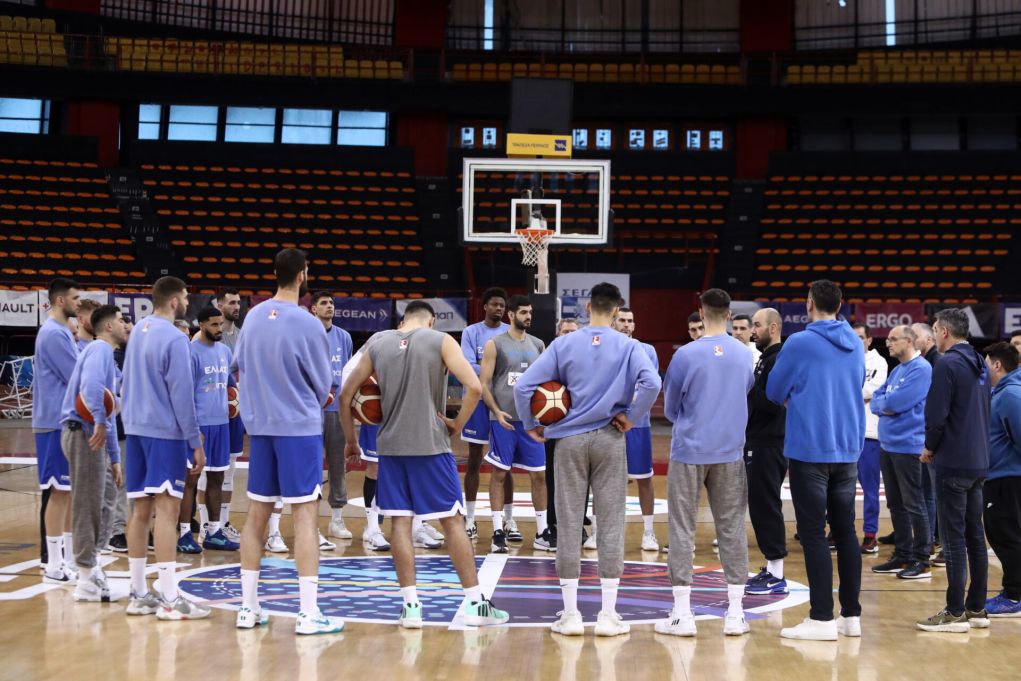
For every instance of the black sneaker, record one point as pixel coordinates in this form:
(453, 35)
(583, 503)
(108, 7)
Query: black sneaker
(917, 570)
(892, 566)
(940, 560)
(887, 539)
(119, 543)
(547, 541)
(499, 544)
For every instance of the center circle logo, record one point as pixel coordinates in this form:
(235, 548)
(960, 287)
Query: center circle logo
(365, 589)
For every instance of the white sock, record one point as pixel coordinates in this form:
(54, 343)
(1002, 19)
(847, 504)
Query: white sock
(68, 547)
(609, 587)
(416, 526)
(410, 594)
(250, 589)
(647, 519)
(735, 595)
(136, 567)
(473, 594)
(274, 523)
(540, 522)
(371, 520)
(307, 588)
(224, 513)
(84, 573)
(184, 528)
(337, 515)
(682, 600)
(203, 515)
(497, 521)
(775, 568)
(213, 527)
(54, 553)
(569, 591)
(471, 511)
(168, 581)
(508, 511)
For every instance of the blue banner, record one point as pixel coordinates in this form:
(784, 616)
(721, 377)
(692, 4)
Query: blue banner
(795, 316)
(363, 314)
(451, 313)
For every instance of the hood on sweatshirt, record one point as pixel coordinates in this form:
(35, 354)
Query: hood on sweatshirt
(1011, 380)
(837, 332)
(973, 360)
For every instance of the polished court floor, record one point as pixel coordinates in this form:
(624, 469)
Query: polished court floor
(45, 635)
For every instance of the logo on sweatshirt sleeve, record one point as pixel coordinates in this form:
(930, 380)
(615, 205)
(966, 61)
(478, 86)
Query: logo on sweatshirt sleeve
(273, 314)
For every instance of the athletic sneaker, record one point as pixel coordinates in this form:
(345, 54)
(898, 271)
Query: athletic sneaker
(940, 560)
(249, 619)
(764, 584)
(315, 622)
(275, 543)
(916, 570)
(62, 576)
(339, 530)
(376, 542)
(482, 613)
(547, 541)
(649, 542)
(734, 624)
(92, 590)
(119, 543)
(1001, 606)
(511, 528)
(677, 625)
(433, 533)
(186, 544)
(324, 543)
(231, 533)
(811, 630)
(422, 540)
(181, 609)
(977, 619)
(849, 626)
(143, 605)
(590, 542)
(888, 539)
(471, 529)
(569, 624)
(499, 544)
(217, 541)
(891, 567)
(611, 624)
(944, 622)
(869, 544)
(411, 616)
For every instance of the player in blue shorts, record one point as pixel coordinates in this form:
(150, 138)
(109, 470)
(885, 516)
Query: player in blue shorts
(639, 442)
(283, 358)
(476, 430)
(504, 360)
(163, 447)
(55, 355)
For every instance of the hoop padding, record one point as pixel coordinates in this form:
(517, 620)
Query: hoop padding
(534, 244)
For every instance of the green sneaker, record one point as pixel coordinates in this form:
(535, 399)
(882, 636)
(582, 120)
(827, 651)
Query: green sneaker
(977, 619)
(411, 616)
(481, 613)
(945, 622)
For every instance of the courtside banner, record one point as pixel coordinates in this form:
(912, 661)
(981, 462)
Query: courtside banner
(362, 314)
(1011, 319)
(795, 316)
(882, 318)
(137, 306)
(983, 318)
(451, 313)
(538, 145)
(19, 308)
(101, 297)
(574, 289)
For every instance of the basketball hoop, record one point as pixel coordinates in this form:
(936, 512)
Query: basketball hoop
(535, 252)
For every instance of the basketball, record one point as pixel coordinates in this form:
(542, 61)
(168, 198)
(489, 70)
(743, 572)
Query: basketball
(366, 405)
(109, 403)
(551, 402)
(233, 406)
(329, 400)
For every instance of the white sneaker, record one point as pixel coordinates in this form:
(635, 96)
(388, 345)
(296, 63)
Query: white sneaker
(339, 530)
(472, 529)
(92, 590)
(231, 533)
(146, 604)
(422, 540)
(203, 531)
(510, 526)
(275, 543)
(63, 576)
(649, 541)
(316, 623)
(569, 624)
(677, 625)
(324, 543)
(590, 543)
(249, 619)
(849, 626)
(610, 624)
(433, 533)
(376, 542)
(181, 609)
(735, 624)
(812, 630)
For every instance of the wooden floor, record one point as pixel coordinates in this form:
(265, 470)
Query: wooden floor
(45, 635)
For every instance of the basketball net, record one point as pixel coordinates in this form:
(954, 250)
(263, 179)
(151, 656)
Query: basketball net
(535, 252)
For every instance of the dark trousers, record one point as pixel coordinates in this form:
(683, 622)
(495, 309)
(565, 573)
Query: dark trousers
(929, 494)
(964, 544)
(551, 506)
(902, 475)
(821, 491)
(43, 552)
(1002, 517)
(766, 467)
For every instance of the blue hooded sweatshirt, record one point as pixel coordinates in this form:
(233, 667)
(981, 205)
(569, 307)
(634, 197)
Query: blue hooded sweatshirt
(957, 414)
(900, 406)
(1005, 428)
(819, 374)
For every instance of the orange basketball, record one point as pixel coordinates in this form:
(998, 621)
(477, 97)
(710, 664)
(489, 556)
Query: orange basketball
(233, 405)
(550, 402)
(109, 403)
(367, 404)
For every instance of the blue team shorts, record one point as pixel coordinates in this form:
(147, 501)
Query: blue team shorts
(423, 486)
(639, 453)
(286, 468)
(216, 443)
(155, 465)
(515, 448)
(476, 430)
(367, 441)
(237, 435)
(51, 464)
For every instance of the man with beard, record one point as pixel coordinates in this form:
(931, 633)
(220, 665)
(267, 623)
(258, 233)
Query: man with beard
(228, 301)
(504, 359)
(741, 325)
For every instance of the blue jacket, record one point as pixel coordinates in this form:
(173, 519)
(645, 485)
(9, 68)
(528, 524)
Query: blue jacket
(900, 406)
(957, 414)
(819, 374)
(1005, 428)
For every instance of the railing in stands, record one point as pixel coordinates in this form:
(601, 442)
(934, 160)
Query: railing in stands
(916, 31)
(535, 39)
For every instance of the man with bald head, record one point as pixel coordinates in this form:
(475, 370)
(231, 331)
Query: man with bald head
(764, 459)
(925, 342)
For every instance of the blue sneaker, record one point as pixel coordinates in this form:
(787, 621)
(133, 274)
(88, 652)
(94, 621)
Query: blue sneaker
(1001, 606)
(765, 584)
(187, 544)
(218, 542)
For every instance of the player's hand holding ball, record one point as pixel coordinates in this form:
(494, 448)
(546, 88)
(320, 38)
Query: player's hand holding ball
(537, 434)
(622, 423)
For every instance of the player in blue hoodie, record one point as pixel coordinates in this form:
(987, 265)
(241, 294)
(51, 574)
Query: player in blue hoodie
(957, 445)
(1002, 491)
(819, 375)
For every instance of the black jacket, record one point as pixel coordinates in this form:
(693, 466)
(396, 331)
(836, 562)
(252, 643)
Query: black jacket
(957, 413)
(932, 355)
(766, 420)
